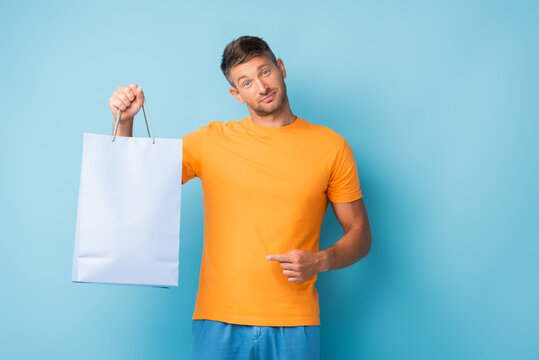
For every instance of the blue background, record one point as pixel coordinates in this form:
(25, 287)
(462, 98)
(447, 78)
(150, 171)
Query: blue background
(437, 99)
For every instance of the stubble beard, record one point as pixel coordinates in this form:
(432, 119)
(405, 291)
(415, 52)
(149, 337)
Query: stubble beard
(276, 104)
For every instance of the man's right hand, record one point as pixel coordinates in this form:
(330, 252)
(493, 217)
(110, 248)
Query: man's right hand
(129, 99)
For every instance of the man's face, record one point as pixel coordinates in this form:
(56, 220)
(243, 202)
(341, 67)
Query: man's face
(260, 84)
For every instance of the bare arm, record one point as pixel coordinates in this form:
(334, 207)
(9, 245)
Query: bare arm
(355, 244)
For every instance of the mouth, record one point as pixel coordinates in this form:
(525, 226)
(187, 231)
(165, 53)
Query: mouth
(269, 97)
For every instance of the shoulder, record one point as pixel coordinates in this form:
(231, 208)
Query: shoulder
(212, 126)
(218, 125)
(326, 134)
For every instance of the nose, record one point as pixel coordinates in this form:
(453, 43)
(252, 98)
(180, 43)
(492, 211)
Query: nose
(262, 87)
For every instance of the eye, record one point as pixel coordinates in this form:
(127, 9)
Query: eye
(246, 83)
(265, 72)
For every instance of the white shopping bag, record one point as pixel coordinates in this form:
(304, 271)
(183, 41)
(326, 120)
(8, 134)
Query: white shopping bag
(128, 218)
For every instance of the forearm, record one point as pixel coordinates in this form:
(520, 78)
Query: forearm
(353, 246)
(125, 128)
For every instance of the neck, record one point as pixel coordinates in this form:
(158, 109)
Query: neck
(281, 117)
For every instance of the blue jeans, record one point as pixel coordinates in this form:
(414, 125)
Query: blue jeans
(216, 340)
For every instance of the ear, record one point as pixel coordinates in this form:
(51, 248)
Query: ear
(281, 67)
(234, 92)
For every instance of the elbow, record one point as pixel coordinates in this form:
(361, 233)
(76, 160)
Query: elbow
(363, 242)
(367, 243)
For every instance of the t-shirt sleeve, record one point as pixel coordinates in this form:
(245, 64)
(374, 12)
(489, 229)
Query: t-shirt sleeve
(344, 181)
(193, 146)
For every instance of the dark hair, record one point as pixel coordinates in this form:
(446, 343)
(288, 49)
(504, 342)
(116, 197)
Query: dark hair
(241, 50)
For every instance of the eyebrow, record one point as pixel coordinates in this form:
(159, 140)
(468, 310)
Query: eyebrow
(258, 68)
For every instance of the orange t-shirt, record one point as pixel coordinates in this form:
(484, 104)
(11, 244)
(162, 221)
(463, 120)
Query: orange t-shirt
(265, 191)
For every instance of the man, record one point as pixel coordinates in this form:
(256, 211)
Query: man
(266, 182)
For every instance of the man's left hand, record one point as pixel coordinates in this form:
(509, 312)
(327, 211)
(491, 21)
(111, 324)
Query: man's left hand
(299, 265)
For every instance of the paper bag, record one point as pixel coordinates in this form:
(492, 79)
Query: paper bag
(128, 218)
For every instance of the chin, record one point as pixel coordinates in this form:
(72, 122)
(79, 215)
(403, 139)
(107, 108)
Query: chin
(264, 112)
(269, 109)
(272, 107)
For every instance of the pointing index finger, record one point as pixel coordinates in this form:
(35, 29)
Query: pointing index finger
(279, 258)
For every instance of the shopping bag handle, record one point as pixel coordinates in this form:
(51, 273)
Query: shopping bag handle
(146, 118)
